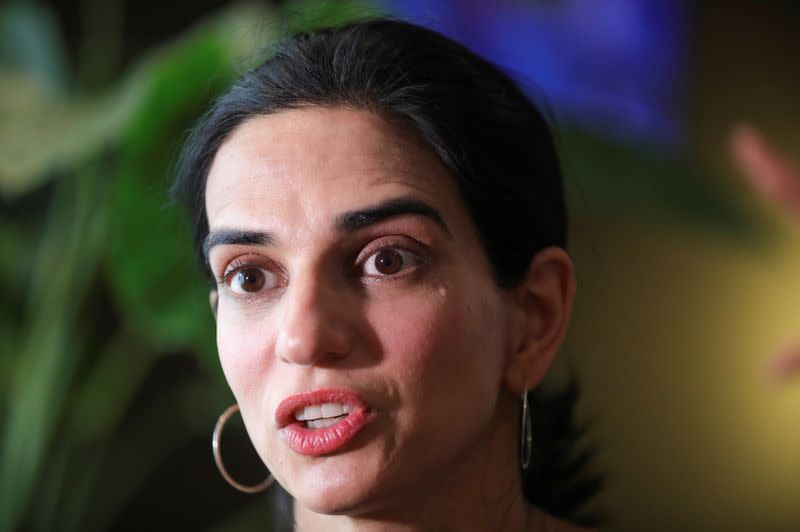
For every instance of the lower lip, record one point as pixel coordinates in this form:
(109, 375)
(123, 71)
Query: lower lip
(317, 442)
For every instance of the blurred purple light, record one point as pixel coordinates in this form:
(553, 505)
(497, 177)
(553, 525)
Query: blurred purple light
(616, 67)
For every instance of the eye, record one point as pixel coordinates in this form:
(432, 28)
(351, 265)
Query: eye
(389, 261)
(249, 280)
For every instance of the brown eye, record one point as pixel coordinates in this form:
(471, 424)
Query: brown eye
(389, 262)
(248, 280)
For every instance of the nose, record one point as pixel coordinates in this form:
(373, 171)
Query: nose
(315, 326)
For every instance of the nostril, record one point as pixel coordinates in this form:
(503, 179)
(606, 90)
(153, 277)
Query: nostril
(292, 348)
(311, 345)
(314, 324)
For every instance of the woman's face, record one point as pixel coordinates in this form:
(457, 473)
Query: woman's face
(351, 276)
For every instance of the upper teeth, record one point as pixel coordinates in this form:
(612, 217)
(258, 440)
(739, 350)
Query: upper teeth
(326, 410)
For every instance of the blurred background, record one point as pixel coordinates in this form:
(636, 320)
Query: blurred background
(688, 278)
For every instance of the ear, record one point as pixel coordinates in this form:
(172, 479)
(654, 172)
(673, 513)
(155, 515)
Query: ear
(542, 306)
(213, 300)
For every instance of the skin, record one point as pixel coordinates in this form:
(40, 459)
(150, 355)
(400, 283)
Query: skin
(777, 180)
(437, 350)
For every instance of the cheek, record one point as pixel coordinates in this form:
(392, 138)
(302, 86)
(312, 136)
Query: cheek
(443, 339)
(243, 348)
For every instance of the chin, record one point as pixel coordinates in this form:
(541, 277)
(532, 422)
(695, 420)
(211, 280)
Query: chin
(343, 501)
(349, 490)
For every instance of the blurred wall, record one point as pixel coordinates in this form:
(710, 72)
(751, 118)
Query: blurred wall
(675, 327)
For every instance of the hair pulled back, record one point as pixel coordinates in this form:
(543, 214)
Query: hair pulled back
(495, 143)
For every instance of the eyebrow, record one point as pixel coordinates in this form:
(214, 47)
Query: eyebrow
(222, 237)
(355, 220)
(348, 222)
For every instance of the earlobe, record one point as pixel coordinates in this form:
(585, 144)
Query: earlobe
(543, 305)
(213, 300)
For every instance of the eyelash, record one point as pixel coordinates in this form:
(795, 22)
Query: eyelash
(387, 245)
(247, 262)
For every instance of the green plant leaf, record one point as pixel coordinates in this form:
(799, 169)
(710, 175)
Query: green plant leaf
(305, 15)
(150, 265)
(49, 348)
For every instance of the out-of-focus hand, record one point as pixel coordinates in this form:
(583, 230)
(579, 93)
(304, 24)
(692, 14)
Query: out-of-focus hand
(770, 173)
(785, 364)
(777, 180)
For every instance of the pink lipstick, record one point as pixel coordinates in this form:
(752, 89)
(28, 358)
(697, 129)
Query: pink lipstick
(321, 421)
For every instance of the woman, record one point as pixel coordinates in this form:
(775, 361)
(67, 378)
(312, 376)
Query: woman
(382, 216)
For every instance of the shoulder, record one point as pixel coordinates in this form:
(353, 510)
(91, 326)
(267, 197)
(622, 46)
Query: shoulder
(555, 524)
(565, 526)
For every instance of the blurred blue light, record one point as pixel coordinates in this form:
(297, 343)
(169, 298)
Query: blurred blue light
(616, 67)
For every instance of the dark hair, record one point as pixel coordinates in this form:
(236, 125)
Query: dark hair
(495, 143)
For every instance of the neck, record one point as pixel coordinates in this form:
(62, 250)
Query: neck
(481, 492)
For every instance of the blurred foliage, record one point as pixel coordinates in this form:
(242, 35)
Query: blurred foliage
(97, 276)
(96, 271)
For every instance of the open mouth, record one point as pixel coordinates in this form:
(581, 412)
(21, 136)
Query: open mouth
(321, 421)
(324, 415)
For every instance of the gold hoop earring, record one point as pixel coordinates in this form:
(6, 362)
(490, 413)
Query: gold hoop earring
(215, 448)
(526, 434)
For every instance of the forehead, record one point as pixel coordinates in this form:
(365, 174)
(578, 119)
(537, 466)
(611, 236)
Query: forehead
(318, 161)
